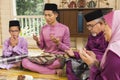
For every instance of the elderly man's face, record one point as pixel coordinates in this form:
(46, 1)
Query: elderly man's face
(94, 27)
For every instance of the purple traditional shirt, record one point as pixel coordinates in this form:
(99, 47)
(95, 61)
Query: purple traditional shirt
(19, 49)
(112, 61)
(97, 44)
(59, 31)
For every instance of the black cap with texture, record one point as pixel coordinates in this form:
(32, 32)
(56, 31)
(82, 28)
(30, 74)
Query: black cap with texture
(14, 23)
(50, 6)
(93, 15)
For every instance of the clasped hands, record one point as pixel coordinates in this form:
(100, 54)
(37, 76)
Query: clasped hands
(89, 57)
(13, 41)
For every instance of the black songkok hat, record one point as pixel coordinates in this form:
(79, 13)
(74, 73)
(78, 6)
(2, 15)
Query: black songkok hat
(14, 23)
(50, 6)
(93, 15)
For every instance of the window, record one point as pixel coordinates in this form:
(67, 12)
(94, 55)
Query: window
(30, 15)
(29, 7)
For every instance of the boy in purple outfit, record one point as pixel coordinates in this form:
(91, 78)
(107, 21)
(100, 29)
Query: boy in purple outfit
(14, 46)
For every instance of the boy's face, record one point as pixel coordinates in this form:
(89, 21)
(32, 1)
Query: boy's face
(14, 31)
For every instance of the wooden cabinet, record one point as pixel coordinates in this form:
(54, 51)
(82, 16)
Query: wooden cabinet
(74, 19)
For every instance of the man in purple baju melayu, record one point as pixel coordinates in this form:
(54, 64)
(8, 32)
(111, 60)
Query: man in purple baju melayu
(54, 39)
(108, 67)
(97, 41)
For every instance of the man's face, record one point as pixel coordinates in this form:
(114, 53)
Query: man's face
(94, 27)
(50, 16)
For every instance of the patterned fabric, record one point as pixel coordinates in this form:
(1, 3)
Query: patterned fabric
(47, 58)
(78, 66)
(13, 59)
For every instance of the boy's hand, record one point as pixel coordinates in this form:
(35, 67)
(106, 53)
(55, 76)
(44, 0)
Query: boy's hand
(13, 41)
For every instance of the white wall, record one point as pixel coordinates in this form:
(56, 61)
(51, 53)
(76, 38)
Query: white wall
(55, 1)
(118, 4)
(5, 6)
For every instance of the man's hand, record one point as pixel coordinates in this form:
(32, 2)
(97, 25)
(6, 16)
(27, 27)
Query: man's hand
(88, 57)
(70, 52)
(35, 38)
(54, 39)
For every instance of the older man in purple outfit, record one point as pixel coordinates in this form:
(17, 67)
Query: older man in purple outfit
(108, 67)
(97, 41)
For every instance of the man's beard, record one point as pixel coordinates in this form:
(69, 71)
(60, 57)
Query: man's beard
(94, 34)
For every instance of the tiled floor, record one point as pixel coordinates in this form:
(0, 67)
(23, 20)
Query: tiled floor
(13, 73)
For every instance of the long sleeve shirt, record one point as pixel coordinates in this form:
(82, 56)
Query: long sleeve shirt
(97, 44)
(111, 69)
(59, 31)
(19, 49)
